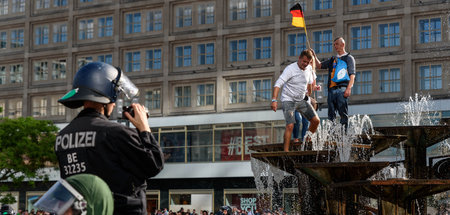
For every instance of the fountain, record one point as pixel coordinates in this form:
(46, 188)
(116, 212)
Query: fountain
(334, 170)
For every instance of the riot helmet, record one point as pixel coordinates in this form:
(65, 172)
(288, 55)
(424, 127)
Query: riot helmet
(98, 82)
(83, 194)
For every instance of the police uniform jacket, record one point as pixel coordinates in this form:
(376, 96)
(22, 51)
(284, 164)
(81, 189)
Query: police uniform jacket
(123, 157)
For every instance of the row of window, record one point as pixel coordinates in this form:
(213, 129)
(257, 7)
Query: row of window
(197, 95)
(239, 49)
(389, 80)
(185, 95)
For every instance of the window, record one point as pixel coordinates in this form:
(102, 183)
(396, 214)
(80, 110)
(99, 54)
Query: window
(59, 3)
(183, 96)
(363, 83)
(243, 199)
(237, 92)
(262, 90)
(154, 20)
(86, 1)
(2, 107)
(86, 29)
(431, 77)
(389, 80)
(384, 0)
(59, 69)
(262, 8)
(39, 107)
(238, 50)
(17, 38)
(183, 56)
(323, 4)
(41, 35)
(59, 33)
(389, 35)
(3, 7)
(262, 48)
(3, 39)
(84, 60)
(133, 61)
(153, 99)
(133, 23)
(205, 53)
(42, 4)
(153, 59)
(205, 94)
(238, 10)
(11, 74)
(361, 37)
(184, 17)
(105, 58)
(105, 26)
(40, 71)
(56, 108)
(16, 73)
(323, 41)
(206, 14)
(2, 75)
(430, 30)
(296, 44)
(14, 108)
(360, 2)
(18, 6)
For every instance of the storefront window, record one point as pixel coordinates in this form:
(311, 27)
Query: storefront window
(256, 133)
(228, 142)
(173, 145)
(152, 198)
(200, 143)
(191, 199)
(244, 199)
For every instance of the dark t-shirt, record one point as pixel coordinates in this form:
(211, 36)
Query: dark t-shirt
(328, 64)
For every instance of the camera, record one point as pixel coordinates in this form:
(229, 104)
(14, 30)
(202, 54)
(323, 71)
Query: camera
(128, 109)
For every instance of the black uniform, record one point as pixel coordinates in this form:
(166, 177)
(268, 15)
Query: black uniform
(122, 156)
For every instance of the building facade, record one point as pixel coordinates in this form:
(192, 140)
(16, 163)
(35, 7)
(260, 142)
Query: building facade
(206, 69)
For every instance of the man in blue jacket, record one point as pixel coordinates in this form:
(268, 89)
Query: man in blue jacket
(339, 90)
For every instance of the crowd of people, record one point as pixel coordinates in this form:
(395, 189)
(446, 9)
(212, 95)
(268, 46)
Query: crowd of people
(225, 210)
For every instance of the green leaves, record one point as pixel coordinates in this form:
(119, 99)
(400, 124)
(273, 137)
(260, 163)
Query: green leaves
(26, 145)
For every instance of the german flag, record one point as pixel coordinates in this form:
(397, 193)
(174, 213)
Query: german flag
(297, 16)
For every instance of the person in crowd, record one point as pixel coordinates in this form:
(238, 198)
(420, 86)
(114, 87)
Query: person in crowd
(341, 77)
(296, 80)
(123, 157)
(82, 194)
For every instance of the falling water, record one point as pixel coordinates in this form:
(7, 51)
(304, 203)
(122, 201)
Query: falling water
(418, 111)
(333, 135)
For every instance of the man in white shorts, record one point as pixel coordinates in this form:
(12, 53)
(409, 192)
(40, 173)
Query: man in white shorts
(296, 78)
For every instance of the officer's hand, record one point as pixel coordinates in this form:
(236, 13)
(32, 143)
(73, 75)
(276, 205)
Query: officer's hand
(140, 120)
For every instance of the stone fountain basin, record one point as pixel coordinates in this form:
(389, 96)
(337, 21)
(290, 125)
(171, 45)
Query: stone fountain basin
(330, 173)
(396, 191)
(431, 134)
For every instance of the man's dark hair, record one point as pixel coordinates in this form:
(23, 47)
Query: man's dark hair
(306, 53)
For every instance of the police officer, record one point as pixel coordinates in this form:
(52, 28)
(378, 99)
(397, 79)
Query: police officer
(81, 194)
(123, 157)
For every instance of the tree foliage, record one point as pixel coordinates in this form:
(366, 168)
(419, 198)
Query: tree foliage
(26, 145)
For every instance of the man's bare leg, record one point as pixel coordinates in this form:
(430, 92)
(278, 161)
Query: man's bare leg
(287, 136)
